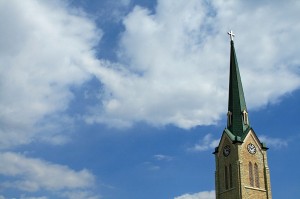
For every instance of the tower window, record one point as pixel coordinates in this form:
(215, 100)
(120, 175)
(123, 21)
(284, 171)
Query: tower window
(251, 175)
(226, 178)
(230, 176)
(256, 175)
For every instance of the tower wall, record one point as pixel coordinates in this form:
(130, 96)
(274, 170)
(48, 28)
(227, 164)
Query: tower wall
(239, 159)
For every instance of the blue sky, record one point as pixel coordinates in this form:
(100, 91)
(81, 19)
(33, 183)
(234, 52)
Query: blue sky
(127, 99)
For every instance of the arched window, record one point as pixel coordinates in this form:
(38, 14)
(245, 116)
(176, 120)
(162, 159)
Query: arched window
(226, 178)
(230, 176)
(256, 174)
(251, 174)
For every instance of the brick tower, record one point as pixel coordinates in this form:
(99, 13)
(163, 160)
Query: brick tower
(242, 170)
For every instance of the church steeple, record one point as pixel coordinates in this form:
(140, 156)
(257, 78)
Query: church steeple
(242, 170)
(237, 120)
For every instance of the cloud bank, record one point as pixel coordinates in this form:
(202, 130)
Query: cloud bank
(33, 175)
(172, 68)
(44, 50)
(174, 61)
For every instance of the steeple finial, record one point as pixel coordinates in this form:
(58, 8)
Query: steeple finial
(231, 34)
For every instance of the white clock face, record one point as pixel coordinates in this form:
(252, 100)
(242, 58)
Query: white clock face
(226, 150)
(251, 148)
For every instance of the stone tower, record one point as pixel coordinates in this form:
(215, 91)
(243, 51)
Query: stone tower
(242, 170)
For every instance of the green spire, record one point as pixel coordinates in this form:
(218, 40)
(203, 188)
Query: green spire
(238, 123)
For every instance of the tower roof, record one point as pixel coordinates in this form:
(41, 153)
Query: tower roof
(238, 123)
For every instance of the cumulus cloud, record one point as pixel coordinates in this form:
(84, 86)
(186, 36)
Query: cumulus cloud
(172, 68)
(161, 157)
(162, 82)
(174, 61)
(207, 143)
(45, 47)
(32, 175)
(274, 142)
(200, 195)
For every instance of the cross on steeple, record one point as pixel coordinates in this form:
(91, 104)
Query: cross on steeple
(231, 35)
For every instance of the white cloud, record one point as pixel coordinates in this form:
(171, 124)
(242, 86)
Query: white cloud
(150, 166)
(161, 157)
(32, 175)
(207, 143)
(45, 47)
(274, 142)
(174, 62)
(200, 195)
(163, 84)
(25, 197)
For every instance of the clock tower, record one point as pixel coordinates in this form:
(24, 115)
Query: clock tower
(242, 170)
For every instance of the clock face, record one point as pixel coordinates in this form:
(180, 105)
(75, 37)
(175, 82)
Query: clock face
(251, 148)
(226, 150)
